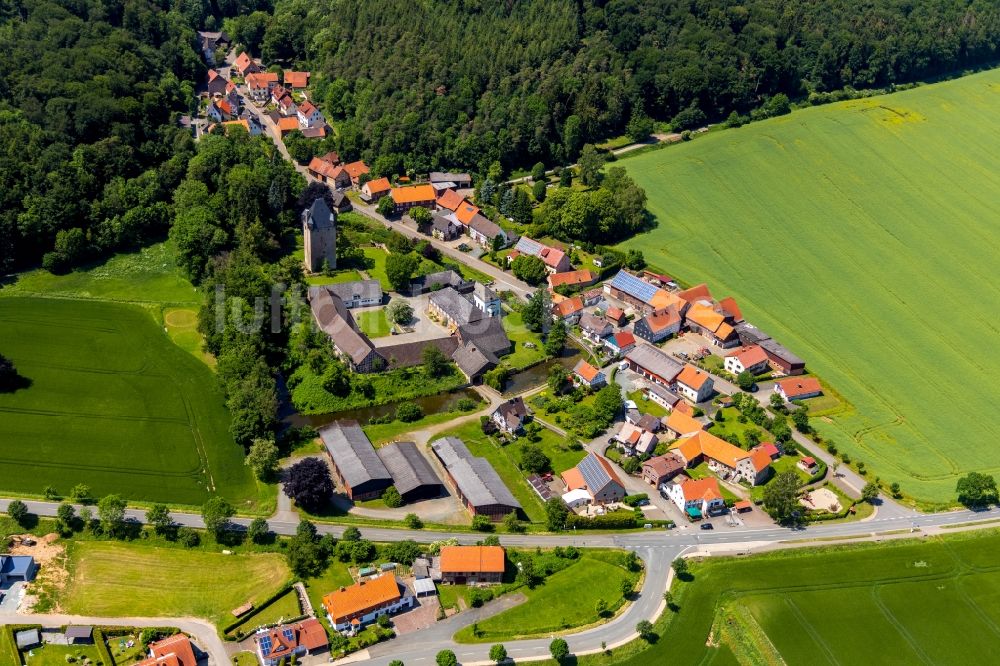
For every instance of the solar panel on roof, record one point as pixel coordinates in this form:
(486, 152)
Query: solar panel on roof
(593, 473)
(528, 246)
(265, 645)
(634, 286)
(288, 634)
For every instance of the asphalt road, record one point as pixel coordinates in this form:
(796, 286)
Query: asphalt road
(657, 548)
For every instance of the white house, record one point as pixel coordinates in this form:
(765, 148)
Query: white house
(750, 358)
(309, 115)
(695, 384)
(351, 608)
(577, 498)
(695, 498)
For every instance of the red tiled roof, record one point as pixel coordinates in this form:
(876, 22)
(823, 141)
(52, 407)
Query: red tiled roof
(355, 169)
(749, 356)
(307, 108)
(586, 371)
(353, 600)
(729, 306)
(624, 339)
(413, 194)
(449, 200)
(477, 559)
(296, 79)
(465, 212)
(693, 377)
(697, 293)
(378, 185)
(571, 278)
(796, 386)
(568, 307)
(173, 651)
(703, 489)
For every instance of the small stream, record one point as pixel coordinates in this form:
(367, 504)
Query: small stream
(431, 404)
(538, 374)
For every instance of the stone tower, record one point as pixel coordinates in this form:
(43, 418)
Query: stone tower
(319, 235)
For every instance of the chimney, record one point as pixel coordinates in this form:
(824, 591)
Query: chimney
(343, 589)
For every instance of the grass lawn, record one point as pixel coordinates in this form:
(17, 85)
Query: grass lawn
(182, 327)
(566, 599)
(799, 605)
(503, 460)
(556, 447)
(349, 275)
(129, 579)
(116, 405)
(147, 276)
(284, 608)
(309, 397)
(522, 356)
(730, 425)
(802, 187)
(376, 261)
(56, 655)
(387, 432)
(335, 576)
(647, 406)
(373, 322)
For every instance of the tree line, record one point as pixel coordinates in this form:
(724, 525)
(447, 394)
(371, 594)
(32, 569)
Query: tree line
(454, 83)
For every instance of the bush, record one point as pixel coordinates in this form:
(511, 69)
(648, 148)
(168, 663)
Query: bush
(633, 500)
(616, 520)
(188, 537)
(392, 498)
(481, 523)
(409, 412)
(18, 511)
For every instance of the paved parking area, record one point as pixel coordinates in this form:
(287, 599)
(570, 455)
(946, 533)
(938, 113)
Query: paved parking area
(10, 597)
(420, 617)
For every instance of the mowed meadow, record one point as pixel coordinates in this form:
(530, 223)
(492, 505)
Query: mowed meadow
(933, 601)
(865, 236)
(113, 402)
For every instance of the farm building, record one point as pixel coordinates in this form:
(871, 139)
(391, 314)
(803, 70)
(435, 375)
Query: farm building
(406, 198)
(638, 293)
(723, 458)
(352, 607)
(781, 359)
(279, 644)
(662, 396)
(452, 309)
(680, 423)
(472, 565)
(355, 464)
(433, 281)
(476, 482)
(350, 343)
(357, 294)
(595, 475)
(581, 278)
(411, 473)
(459, 180)
(653, 364)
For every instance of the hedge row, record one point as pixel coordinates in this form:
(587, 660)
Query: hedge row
(102, 648)
(608, 521)
(9, 653)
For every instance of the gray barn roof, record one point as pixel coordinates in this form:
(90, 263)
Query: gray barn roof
(456, 306)
(655, 361)
(409, 469)
(471, 360)
(487, 334)
(363, 289)
(772, 346)
(353, 454)
(475, 477)
(333, 317)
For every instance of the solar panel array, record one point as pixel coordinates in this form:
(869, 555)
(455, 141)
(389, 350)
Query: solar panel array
(593, 473)
(527, 246)
(634, 286)
(289, 635)
(265, 645)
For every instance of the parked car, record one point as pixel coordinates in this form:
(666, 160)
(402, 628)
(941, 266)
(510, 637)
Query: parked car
(642, 502)
(623, 365)
(707, 526)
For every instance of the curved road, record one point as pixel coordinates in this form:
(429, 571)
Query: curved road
(657, 548)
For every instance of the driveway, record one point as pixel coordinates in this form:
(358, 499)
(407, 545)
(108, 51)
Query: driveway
(422, 617)
(10, 597)
(204, 633)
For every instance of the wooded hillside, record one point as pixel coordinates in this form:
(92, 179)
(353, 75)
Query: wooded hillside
(464, 83)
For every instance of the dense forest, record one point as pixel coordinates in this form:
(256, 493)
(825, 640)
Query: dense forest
(464, 83)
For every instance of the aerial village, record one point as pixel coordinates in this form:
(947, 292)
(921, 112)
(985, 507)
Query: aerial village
(691, 377)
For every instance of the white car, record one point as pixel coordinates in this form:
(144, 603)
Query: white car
(623, 365)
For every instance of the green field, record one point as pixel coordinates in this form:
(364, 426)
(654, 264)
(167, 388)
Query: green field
(935, 601)
(113, 404)
(147, 276)
(56, 655)
(864, 236)
(373, 323)
(128, 579)
(566, 599)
